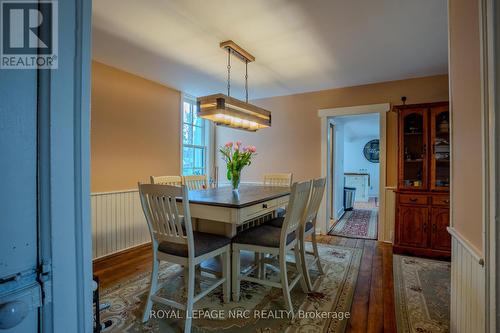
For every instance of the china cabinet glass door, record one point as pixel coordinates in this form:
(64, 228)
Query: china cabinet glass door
(413, 141)
(440, 148)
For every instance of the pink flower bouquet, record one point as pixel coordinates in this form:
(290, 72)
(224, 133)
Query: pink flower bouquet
(236, 157)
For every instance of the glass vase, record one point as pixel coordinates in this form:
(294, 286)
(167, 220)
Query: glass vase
(235, 180)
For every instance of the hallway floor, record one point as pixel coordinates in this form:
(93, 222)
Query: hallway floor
(361, 222)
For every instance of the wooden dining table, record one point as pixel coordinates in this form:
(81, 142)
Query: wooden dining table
(225, 212)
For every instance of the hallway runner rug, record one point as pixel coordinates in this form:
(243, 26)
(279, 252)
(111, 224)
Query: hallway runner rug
(358, 223)
(332, 298)
(422, 295)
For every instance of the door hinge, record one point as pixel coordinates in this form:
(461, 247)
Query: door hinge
(45, 279)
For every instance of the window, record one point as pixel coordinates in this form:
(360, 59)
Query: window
(194, 140)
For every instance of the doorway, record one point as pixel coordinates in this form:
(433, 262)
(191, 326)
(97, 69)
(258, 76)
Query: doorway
(331, 170)
(355, 162)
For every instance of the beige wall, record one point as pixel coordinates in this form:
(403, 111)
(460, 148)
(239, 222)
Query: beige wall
(293, 142)
(134, 130)
(465, 87)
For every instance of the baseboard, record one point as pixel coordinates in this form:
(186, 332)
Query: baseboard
(340, 213)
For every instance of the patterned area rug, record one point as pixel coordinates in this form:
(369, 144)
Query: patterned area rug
(357, 223)
(422, 292)
(324, 310)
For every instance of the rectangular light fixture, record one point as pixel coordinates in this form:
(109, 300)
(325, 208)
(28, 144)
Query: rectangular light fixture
(231, 112)
(225, 110)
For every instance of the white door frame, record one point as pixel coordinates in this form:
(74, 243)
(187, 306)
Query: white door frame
(490, 77)
(325, 114)
(64, 174)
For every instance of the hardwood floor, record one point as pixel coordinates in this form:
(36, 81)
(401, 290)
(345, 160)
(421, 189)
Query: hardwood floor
(373, 305)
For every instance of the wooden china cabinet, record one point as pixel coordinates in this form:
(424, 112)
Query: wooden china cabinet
(422, 196)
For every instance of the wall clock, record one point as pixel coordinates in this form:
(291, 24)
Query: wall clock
(371, 151)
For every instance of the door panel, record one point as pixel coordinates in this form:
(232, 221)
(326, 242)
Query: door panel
(440, 149)
(18, 193)
(413, 148)
(413, 225)
(440, 238)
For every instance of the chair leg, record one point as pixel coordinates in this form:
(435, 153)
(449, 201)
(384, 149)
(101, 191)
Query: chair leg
(197, 279)
(301, 268)
(316, 253)
(256, 261)
(303, 261)
(263, 265)
(190, 297)
(152, 291)
(226, 269)
(235, 275)
(284, 283)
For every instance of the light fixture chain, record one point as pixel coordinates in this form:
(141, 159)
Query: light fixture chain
(229, 72)
(246, 80)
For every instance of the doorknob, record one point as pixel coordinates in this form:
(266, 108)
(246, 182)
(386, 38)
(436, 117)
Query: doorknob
(12, 314)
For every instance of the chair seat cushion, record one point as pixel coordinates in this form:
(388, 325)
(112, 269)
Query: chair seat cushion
(278, 223)
(264, 235)
(203, 243)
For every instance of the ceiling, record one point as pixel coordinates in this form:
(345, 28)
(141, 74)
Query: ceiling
(299, 45)
(360, 126)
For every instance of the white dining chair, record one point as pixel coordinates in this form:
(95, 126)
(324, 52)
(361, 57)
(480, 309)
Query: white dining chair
(174, 241)
(266, 239)
(166, 180)
(277, 179)
(308, 228)
(281, 180)
(195, 182)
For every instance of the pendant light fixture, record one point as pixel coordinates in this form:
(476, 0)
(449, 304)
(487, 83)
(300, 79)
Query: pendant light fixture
(225, 110)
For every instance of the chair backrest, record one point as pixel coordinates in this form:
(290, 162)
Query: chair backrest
(278, 179)
(317, 192)
(196, 182)
(159, 203)
(166, 180)
(296, 207)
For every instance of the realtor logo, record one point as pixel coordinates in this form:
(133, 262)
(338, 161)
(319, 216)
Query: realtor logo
(29, 34)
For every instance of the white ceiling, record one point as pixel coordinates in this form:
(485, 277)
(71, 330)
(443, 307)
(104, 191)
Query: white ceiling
(360, 126)
(299, 45)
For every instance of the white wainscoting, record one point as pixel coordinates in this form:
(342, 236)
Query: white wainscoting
(118, 222)
(467, 287)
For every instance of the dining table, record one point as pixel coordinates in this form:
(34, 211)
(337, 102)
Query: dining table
(226, 212)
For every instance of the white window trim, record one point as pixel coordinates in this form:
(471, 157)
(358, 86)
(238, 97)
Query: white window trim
(209, 133)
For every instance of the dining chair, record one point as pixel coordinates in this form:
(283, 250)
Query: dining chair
(266, 239)
(174, 241)
(166, 180)
(278, 179)
(308, 228)
(195, 182)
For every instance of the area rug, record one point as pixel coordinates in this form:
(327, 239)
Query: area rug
(422, 294)
(357, 223)
(327, 309)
